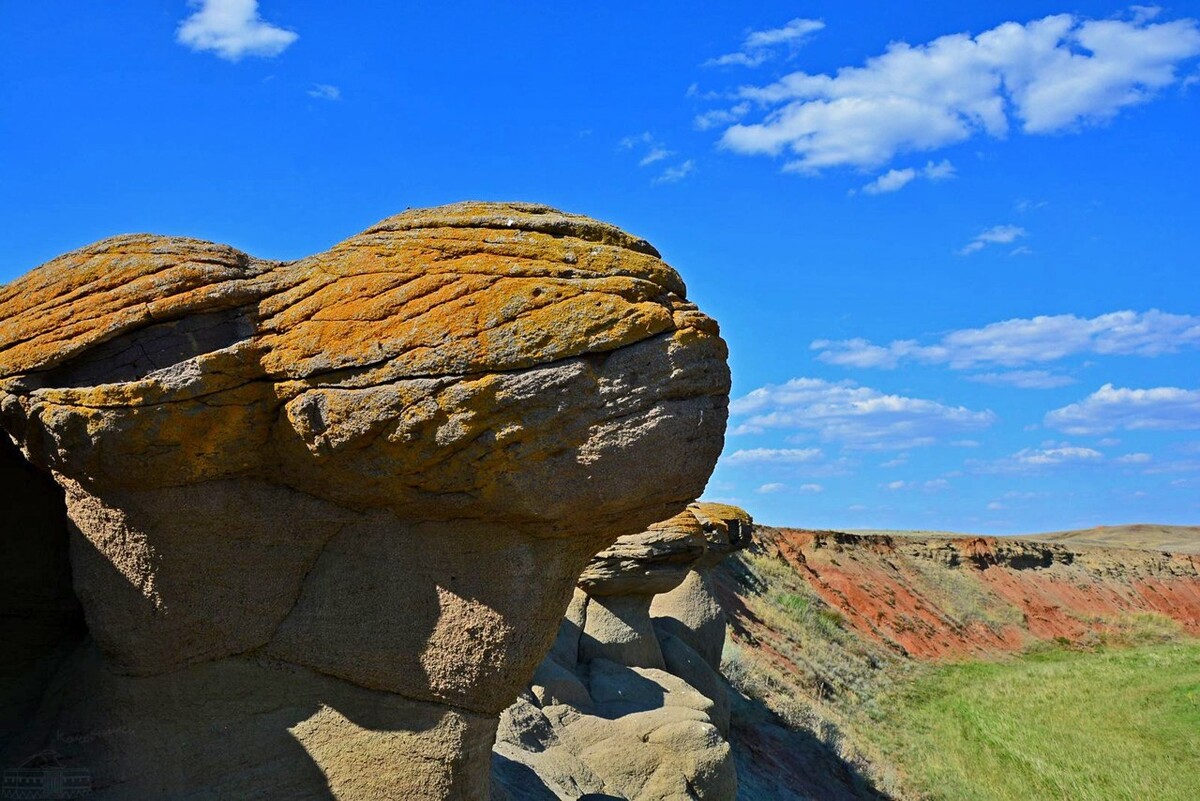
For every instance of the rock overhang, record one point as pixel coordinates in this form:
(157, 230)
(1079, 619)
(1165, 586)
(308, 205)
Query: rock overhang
(428, 325)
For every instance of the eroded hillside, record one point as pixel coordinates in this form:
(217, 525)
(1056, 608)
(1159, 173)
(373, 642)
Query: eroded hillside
(826, 626)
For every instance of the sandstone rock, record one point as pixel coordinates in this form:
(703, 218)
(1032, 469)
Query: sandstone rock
(363, 480)
(647, 715)
(691, 611)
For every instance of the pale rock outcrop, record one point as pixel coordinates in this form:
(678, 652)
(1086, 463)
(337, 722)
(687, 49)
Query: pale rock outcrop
(625, 706)
(690, 611)
(325, 515)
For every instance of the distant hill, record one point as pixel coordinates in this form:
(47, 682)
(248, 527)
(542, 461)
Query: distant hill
(1176, 539)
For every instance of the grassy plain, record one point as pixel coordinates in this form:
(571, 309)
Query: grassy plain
(1088, 726)
(1112, 716)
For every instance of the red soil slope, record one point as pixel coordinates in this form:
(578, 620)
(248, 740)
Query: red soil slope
(933, 598)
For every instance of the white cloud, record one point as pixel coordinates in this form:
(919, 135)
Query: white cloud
(673, 175)
(997, 234)
(1021, 341)
(890, 181)
(1037, 460)
(232, 29)
(655, 154)
(856, 417)
(1134, 458)
(760, 46)
(630, 142)
(1025, 379)
(811, 488)
(933, 485)
(895, 180)
(995, 506)
(719, 116)
(766, 489)
(1060, 455)
(324, 91)
(1049, 75)
(1110, 408)
(773, 455)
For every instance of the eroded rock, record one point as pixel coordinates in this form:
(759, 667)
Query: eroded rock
(345, 497)
(625, 706)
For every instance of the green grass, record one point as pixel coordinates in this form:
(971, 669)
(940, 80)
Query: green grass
(1104, 725)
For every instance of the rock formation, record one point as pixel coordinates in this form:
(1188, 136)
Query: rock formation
(629, 705)
(325, 515)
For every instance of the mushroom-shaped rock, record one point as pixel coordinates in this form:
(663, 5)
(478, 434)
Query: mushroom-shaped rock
(338, 505)
(616, 677)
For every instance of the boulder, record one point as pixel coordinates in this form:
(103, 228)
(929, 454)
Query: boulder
(326, 515)
(624, 706)
(691, 611)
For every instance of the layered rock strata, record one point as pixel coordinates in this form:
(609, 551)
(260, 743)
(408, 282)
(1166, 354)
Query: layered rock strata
(325, 515)
(628, 704)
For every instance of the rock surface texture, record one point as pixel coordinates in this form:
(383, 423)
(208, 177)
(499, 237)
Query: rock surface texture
(629, 704)
(325, 515)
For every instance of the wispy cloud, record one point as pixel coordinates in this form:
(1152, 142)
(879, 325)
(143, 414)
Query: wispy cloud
(761, 46)
(1021, 341)
(767, 489)
(673, 175)
(1049, 75)
(232, 29)
(720, 116)
(774, 455)
(652, 151)
(895, 180)
(655, 154)
(1024, 379)
(1111, 408)
(996, 235)
(856, 417)
(325, 91)
(1037, 460)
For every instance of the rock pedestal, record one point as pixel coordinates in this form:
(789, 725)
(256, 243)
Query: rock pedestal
(325, 515)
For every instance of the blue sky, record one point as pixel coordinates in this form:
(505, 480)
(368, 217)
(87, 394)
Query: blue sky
(954, 250)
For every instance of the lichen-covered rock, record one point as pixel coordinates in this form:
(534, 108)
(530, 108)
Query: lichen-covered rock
(384, 465)
(624, 705)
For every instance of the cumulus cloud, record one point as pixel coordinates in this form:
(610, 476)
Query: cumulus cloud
(1111, 408)
(1022, 341)
(761, 46)
(1046, 76)
(997, 234)
(895, 180)
(232, 29)
(857, 417)
(1037, 460)
(766, 489)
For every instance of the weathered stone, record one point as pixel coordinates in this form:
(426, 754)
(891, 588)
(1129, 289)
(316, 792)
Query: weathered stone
(691, 611)
(647, 717)
(386, 463)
